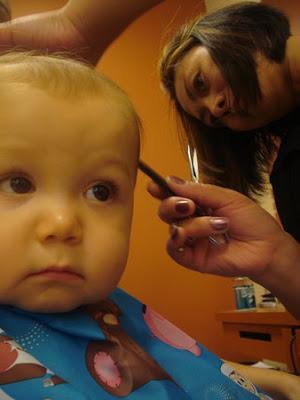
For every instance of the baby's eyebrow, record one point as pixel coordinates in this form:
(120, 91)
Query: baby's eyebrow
(121, 165)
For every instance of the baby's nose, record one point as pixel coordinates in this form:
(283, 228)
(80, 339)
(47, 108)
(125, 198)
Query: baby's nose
(59, 224)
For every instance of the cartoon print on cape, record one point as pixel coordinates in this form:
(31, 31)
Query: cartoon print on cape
(118, 363)
(17, 365)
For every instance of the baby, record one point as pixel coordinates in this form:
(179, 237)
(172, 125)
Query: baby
(69, 147)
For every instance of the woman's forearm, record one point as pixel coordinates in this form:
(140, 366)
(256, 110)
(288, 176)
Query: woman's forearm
(101, 21)
(282, 277)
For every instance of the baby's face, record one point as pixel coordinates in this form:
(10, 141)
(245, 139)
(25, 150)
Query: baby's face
(67, 176)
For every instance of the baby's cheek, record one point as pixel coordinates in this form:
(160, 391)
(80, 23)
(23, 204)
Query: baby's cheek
(104, 261)
(8, 291)
(108, 254)
(103, 281)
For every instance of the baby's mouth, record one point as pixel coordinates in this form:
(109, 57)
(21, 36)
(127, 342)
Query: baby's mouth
(58, 273)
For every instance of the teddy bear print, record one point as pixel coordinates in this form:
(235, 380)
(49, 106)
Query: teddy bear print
(118, 363)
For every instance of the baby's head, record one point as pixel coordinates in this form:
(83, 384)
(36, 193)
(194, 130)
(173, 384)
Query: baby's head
(69, 146)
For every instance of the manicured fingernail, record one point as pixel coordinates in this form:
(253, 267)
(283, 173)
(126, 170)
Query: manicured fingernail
(182, 206)
(219, 223)
(173, 231)
(176, 180)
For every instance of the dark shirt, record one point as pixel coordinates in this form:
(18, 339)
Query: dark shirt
(285, 177)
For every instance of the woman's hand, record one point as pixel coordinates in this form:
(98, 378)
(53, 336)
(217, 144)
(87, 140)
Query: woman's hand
(51, 31)
(82, 28)
(257, 247)
(254, 233)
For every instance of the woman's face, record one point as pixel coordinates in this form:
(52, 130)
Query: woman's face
(203, 92)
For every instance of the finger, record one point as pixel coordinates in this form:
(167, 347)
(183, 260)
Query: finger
(202, 227)
(191, 231)
(156, 191)
(178, 249)
(175, 208)
(205, 195)
(176, 245)
(183, 256)
(188, 245)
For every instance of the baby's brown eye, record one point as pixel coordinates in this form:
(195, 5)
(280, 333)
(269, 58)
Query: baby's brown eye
(20, 185)
(17, 184)
(100, 192)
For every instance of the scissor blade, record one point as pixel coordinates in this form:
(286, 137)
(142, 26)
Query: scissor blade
(195, 165)
(191, 165)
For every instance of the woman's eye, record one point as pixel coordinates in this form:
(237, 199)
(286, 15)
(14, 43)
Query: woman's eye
(16, 184)
(198, 83)
(100, 192)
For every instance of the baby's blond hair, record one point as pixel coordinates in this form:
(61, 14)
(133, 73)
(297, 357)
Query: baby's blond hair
(62, 77)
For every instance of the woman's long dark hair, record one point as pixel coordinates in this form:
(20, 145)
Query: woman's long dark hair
(233, 36)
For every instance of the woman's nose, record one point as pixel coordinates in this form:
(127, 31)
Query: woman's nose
(217, 105)
(59, 224)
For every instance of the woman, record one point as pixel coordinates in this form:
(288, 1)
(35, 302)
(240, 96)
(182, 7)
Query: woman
(235, 70)
(234, 77)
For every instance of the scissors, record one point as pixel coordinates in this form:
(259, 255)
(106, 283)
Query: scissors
(193, 164)
(194, 171)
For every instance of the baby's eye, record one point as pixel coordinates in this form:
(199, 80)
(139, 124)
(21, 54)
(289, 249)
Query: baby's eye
(100, 192)
(16, 184)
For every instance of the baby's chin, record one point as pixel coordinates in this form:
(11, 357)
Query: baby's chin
(54, 305)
